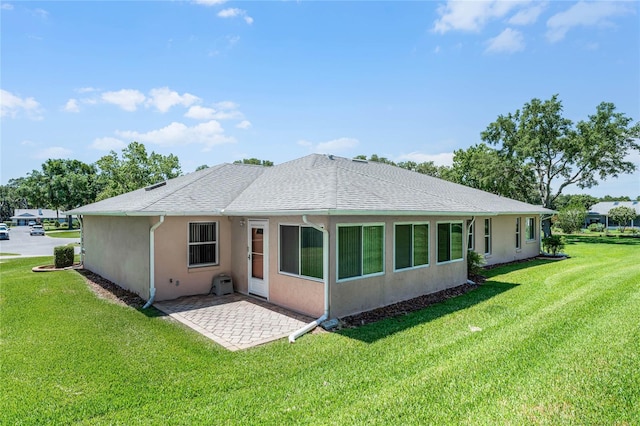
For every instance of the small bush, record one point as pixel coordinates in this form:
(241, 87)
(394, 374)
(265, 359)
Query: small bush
(474, 263)
(596, 227)
(63, 256)
(553, 244)
(57, 224)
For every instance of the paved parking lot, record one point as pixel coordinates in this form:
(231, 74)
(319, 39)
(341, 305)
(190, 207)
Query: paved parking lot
(22, 243)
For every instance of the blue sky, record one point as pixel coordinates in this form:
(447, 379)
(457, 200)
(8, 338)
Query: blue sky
(215, 81)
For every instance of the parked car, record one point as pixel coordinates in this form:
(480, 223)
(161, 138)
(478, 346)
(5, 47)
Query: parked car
(32, 222)
(37, 230)
(4, 232)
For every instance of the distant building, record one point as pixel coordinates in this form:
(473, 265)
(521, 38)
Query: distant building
(22, 217)
(599, 213)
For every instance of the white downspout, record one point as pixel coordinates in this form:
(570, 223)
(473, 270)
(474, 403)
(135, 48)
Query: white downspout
(473, 220)
(152, 264)
(81, 220)
(325, 275)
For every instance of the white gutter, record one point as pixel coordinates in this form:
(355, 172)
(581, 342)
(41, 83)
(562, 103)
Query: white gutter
(325, 278)
(152, 264)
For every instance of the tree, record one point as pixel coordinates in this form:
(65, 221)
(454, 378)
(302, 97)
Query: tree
(202, 167)
(485, 168)
(565, 200)
(61, 184)
(11, 198)
(426, 168)
(622, 216)
(561, 154)
(610, 198)
(571, 218)
(254, 161)
(136, 169)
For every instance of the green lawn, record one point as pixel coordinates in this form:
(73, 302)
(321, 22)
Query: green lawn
(559, 344)
(64, 234)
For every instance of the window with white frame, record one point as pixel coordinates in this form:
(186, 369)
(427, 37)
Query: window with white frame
(360, 250)
(487, 236)
(301, 251)
(411, 245)
(517, 232)
(203, 243)
(530, 230)
(450, 238)
(471, 239)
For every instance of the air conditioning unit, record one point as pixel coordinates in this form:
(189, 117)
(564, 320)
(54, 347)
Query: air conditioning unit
(221, 285)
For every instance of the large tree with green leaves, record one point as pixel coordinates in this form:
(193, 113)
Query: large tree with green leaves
(485, 168)
(560, 153)
(136, 169)
(622, 215)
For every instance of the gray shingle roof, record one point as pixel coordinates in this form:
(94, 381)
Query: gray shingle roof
(312, 184)
(603, 207)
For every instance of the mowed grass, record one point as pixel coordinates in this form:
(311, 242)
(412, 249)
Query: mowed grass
(544, 342)
(63, 234)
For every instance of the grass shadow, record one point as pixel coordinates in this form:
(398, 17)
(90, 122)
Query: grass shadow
(505, 268)
(597, 239)
(373, 332)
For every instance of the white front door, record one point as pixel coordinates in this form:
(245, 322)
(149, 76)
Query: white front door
(258, 249)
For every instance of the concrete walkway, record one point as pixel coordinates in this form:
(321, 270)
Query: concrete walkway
(234, 321)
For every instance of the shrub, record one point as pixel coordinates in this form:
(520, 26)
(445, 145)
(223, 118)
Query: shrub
(63, 256)
(57, 224)
(553, 244)
(474, 263)
(596, 227)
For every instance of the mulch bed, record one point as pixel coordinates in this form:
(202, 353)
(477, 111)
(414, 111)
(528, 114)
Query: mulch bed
(110, 291)
(411, 305)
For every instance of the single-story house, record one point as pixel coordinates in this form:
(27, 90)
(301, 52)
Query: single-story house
(22, 217)
(599, 213)
(320, 235)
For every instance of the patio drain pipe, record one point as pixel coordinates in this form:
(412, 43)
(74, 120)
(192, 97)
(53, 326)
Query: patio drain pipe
(325, 274)
(152, 263)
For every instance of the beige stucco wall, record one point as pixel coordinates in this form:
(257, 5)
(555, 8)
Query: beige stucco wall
(117, 248)
(173, 277)
(363, 294)
(503, 236)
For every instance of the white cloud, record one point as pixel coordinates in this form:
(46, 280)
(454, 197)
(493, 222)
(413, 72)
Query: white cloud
(41, 13)
(233, 12)
(127, 99)
(209, 2)
(7, 6)
(27, 142)
(178, 134)
(226, 105)
(244, 124)
(198, 112)
(586, 14)
(442, 159)
(107, 144)
(12, 106)
(86, 90)
(332, 146)
(163, 99)
(471, 15)
(71, 106)
(508, 41)
(53, 152)
(528, 15)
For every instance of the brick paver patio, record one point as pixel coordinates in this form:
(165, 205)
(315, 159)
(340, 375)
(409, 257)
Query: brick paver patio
(234, 321)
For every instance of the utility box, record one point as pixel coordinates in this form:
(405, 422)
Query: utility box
(221, 285)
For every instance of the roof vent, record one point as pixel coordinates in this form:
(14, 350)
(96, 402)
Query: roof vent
(616, 203)
(359, 160)
(154, 186)
(330, 156)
